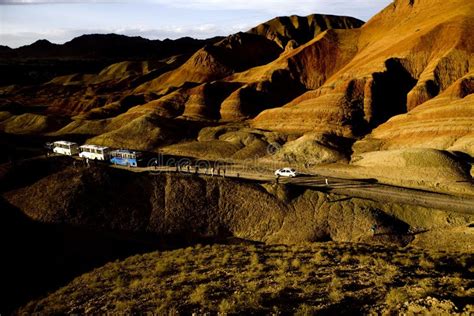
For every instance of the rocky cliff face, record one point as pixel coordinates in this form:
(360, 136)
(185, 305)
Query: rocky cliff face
(289, 32)
(179, 205)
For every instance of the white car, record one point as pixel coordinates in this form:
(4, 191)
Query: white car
(286, 172)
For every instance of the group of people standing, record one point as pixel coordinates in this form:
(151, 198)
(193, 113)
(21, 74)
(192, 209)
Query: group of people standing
(211, 171)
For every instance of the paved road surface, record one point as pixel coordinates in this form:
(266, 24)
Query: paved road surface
(368, 189)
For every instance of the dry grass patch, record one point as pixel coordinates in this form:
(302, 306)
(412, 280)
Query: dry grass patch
(228, 279)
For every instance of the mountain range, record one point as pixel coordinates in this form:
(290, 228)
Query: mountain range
(319, 88)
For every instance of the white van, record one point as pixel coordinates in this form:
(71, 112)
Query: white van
(94, 152)
(65, 148)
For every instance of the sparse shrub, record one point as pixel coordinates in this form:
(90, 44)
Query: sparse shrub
(252, 286)
(282, 280)
(182, 277)
(252, 248)
(225, 259)
(365, 260)
(386, 271)
(319, 258)
(227, 307)
(282, 265)
(180, 261)
(245, 300)
(304, 310)
(426, 263)
(166, 310)
(169, 296)
(135, 284)
(173, 311)
(199, 295)
(296, 263)
(122, 307)
(306, 269)
(163, 267)
(466, 261)
(121, 281)
(403, 261)
(255, 264)
(188, 251)
(336, 293)
(280, 248)
(425, 287)
(311, 288)
(254, 260)
(347, 258)
(396, 296)
(118, 290)
(194, 277)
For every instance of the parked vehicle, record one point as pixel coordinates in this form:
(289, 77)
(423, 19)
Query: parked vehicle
(126, 157)
(65, 148)
(94, 152)
(49, 146)
(286, 172)
(123, 157)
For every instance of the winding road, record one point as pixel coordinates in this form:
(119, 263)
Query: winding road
(360, 188)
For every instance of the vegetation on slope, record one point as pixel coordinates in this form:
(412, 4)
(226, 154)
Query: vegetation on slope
(301, 280)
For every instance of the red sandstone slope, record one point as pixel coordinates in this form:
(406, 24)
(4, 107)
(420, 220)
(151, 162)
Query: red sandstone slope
(240, 59)
(407, 54)
(299, 69)
(292, 75)
(243, 51)
(444, 122)
(234, 53)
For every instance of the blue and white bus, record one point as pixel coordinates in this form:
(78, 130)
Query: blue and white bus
(126, 157)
